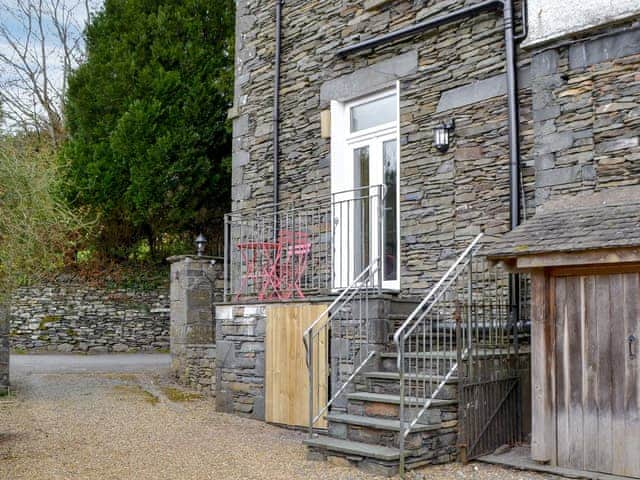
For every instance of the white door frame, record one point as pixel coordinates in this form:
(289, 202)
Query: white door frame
(343, 143)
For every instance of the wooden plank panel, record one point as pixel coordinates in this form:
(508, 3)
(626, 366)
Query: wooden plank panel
(631, 384)
(590, 374)
(605, 432)
(542, 368)
(562, 372)
(574, 369)
(286, 375)
(617, 348)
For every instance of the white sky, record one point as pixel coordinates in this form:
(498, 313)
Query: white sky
(13, 21)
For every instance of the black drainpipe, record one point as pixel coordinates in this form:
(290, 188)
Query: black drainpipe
(276, 108)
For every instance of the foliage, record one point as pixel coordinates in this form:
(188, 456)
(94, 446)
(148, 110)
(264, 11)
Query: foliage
(149, 143)
(37, 231)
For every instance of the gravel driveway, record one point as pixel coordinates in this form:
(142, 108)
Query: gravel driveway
(119, 417)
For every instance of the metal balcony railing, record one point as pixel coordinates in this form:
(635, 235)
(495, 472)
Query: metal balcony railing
(294, 249)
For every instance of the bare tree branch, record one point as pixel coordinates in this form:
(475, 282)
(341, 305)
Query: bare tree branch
(41, 42)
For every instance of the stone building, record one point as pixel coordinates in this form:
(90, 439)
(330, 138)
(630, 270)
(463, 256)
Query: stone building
(380, 147)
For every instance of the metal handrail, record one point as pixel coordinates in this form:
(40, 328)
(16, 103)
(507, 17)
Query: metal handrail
(363, 280)
(285, 203)
(337, 300)
(416, 318)
(396, 335)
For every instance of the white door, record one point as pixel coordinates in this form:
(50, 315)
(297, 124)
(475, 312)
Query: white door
(364, 184)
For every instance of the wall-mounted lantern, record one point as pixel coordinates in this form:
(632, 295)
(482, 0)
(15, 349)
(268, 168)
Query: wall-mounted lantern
(442, 135)
(201, 243)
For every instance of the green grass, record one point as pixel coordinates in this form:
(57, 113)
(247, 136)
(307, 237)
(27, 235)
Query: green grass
(177, 395)
(138, 392)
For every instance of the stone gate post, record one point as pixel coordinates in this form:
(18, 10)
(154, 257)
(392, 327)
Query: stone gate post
(194, 286)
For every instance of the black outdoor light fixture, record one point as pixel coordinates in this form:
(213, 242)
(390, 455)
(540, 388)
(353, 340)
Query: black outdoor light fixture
(201, 243)
(442, 134)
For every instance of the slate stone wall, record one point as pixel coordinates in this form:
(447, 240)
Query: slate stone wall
(240, 337)
(200, 368)
(586, 115)
(445, 198)
(75, 317)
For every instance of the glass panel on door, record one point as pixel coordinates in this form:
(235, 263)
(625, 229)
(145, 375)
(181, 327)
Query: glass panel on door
(390, 241)
(362, 215)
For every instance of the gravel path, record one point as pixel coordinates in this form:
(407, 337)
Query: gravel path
(126, 421)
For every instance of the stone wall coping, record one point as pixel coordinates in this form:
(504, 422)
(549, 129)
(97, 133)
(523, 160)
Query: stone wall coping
(310, 299)
(194, 258)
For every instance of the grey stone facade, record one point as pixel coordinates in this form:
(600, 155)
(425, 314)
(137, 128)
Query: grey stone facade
(77, 317)
(578, 116)
(445, 198)
(586, 115)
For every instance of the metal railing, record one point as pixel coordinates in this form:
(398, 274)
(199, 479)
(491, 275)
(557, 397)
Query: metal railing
(463, 326)
(295, 248)
(342, 331)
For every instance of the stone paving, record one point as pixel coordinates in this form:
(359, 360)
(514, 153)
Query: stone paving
(119, 417)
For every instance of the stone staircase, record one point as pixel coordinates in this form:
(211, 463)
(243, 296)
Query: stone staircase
(366, 433)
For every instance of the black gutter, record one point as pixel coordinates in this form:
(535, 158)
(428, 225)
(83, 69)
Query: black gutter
(276, 107)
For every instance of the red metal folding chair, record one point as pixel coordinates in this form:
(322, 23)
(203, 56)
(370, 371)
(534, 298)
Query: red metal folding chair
(294, 253)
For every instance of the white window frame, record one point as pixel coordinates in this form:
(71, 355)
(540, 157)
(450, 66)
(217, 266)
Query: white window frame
(342, 143)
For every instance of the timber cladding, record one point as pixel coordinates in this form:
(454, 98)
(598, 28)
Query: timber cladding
(286, 374)
(586, 369)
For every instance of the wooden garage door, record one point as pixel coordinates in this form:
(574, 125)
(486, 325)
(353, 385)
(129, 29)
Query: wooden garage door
(597, 388)
(286, 374)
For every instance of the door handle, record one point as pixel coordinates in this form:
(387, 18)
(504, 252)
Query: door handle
(632, 338)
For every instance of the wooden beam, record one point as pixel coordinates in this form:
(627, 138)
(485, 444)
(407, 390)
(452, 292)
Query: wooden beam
(592, 257)
(543, 433)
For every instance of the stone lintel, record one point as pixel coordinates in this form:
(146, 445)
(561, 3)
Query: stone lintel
(480, 91)
(369, 79)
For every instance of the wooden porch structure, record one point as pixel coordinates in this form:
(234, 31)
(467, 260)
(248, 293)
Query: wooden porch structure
(584, 259)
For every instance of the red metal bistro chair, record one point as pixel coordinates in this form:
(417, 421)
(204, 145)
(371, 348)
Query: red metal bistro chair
(294, 253)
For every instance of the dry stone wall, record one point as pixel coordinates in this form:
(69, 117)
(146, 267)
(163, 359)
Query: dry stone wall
(199, 367)
(75, 317)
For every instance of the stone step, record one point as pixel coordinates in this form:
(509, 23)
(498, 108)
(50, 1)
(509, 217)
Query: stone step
(350, 447)
(436, 379)
(378, 423)
(395, 399)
